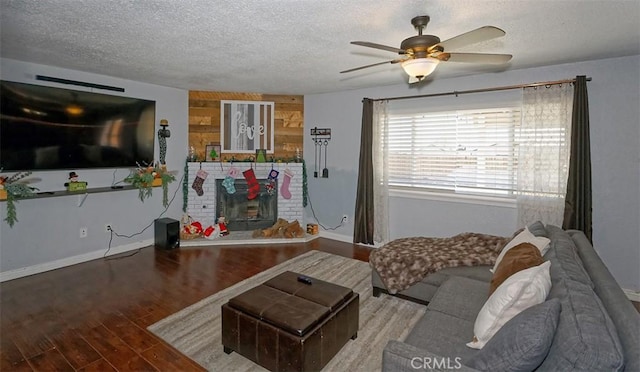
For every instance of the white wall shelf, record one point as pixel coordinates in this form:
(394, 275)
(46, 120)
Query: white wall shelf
(95, 190)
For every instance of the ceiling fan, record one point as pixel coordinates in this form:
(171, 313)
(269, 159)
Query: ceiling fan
(421, 54)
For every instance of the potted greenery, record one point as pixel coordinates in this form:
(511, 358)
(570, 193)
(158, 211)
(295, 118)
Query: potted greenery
(11, 190)
(145, 178)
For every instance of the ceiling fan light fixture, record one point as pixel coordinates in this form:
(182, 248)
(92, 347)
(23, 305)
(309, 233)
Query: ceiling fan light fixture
(420, 67)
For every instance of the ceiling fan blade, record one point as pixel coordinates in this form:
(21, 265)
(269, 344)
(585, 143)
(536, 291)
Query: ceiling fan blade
(371, 65)
(378, 46)
(492, 59)
(471, 37)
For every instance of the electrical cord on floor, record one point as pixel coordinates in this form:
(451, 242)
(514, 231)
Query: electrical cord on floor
(112, 232)
(318, 221)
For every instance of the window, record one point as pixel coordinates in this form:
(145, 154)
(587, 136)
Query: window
(462, 151)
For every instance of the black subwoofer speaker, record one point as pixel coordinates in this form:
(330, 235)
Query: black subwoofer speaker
(167, 233)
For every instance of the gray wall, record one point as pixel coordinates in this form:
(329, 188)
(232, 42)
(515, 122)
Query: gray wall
(614, 96)
(47, 234)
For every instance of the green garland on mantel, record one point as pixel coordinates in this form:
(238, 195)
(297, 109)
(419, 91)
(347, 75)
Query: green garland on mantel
(305, 189)
(250, 159)
(185, 187)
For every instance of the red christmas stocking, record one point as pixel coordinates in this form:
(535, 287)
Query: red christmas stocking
(252, 183)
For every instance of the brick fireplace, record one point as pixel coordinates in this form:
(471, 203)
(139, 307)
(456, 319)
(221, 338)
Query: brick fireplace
(205, 208)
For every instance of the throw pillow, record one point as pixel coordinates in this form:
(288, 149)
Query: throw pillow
(522, 343)
(519, 292)
(524, 237)
(537, 228)
(518, 258)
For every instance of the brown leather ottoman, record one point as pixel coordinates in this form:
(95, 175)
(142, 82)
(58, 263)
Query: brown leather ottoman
(287, 325)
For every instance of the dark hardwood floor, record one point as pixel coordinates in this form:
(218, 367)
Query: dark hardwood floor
(93, 316)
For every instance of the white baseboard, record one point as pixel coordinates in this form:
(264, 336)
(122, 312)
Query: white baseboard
(57, 264)
(334, 236)
(632, 295)
(346, 239)
(374, 245)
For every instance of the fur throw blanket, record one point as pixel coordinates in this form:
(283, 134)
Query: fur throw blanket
(404, 262)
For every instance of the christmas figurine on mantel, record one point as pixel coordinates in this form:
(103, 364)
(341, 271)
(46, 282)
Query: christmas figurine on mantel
(74, 184)
(73, 177)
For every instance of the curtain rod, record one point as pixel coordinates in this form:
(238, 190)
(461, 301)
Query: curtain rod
(456, 93)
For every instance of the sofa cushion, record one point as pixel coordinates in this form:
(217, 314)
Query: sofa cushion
(520, 291)
(586, 338)
(563, 254)
(522, 343)
(518, 258)
(537, 228)
(524, 237)
(460, 297)
(424, 290)
(481, 273)
(442, 334)
(401, 356)
(622, 313)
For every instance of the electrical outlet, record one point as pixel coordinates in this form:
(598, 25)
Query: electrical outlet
(83, 232)
(108, 227)
(345, 218)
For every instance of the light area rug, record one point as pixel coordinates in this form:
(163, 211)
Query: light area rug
(196, 330)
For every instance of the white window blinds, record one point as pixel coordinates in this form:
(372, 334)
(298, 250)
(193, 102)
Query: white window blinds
(462, 151)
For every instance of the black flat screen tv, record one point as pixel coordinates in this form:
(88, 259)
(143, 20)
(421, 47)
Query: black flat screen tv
(48, 128)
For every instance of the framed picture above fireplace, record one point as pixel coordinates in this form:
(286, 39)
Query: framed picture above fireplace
(246, 126)
(212, 152)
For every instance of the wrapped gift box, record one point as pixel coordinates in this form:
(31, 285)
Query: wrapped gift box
(77, 186)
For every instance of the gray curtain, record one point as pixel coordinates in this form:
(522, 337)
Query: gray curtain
(577, 210)
(364, 216)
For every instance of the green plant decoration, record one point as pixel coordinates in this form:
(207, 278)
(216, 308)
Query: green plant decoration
(14, 192)
(166, 178)
(145, 178)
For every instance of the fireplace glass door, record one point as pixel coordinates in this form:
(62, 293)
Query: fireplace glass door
(242, 214)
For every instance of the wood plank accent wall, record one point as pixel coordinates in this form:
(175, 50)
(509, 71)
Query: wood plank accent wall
(204, 122)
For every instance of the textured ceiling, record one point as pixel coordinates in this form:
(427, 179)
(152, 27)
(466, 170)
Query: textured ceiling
(299, 46)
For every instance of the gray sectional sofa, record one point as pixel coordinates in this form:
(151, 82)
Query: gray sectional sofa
(586, 323)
